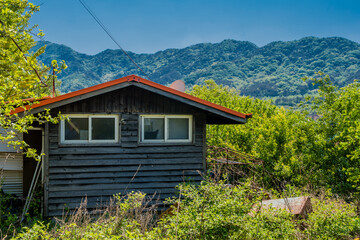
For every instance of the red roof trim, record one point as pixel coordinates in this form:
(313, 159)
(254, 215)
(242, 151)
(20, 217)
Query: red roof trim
(132, 78)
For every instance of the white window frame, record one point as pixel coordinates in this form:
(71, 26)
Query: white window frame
(166, 129)
(90, 140)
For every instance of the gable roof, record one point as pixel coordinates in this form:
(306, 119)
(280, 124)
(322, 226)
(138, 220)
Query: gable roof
(134, 80)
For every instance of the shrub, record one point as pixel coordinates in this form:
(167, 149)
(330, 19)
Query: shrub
(217, 211)
(208, 211)
(9, 213)
(332, 219)
(123, 219)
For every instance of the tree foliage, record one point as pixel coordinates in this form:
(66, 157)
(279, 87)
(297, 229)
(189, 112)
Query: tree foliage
(296, 148)
(22, 76)
(283, 138)
(339, 128)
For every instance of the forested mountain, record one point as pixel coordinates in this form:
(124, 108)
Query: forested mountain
(274, 70)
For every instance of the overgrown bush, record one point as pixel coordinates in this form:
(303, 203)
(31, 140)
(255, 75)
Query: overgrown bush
(332, 219)
(11, 209)
(124, 217)
(296, 149)
(211, 210)
(286, 140)
(208, 211)
(218, 211)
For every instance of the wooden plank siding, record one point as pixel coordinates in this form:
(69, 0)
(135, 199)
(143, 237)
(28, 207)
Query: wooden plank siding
(97, 171)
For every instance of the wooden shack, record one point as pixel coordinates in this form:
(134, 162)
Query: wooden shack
(129, 134)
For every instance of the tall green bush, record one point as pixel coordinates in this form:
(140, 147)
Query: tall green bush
(296, 149)
(285, 139)
(217, 211)
(332, 219)
(339, 129)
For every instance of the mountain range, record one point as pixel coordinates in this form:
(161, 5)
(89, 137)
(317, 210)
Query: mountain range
(272, 71)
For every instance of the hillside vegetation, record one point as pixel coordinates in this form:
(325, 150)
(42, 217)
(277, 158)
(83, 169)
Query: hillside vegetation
(272, 71)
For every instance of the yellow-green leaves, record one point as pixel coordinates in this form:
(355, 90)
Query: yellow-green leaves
(295, 148)
(21, 76)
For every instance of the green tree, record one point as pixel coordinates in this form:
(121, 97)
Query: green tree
(285, 139)
(296, 149)
(339, 126)
(21, 76)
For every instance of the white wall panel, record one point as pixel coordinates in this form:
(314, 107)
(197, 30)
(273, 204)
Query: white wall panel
(11, 169)
(11, 161)
(12, 182)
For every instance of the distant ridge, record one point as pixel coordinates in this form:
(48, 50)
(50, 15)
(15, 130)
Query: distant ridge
(274, 70)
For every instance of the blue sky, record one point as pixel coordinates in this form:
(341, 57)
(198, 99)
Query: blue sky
(147, 26)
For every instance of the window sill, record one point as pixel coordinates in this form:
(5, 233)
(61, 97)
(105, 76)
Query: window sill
(166, 144)
(117, 144)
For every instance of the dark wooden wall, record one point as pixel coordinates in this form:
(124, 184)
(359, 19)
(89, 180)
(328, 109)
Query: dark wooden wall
(129, 100)
(100, 170)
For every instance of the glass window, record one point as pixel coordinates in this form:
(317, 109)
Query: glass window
(102, 128)
(153, 128)
(90, 128)
(166, 128)
(77, 129)
(178, 128)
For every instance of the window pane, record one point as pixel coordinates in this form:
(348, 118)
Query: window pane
(178, 128)
(77, 129)
(102, 128)
(153, 128)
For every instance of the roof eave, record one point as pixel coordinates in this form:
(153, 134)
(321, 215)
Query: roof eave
(222, 112)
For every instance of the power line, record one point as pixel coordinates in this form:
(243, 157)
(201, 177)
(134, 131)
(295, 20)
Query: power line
(109, 34)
